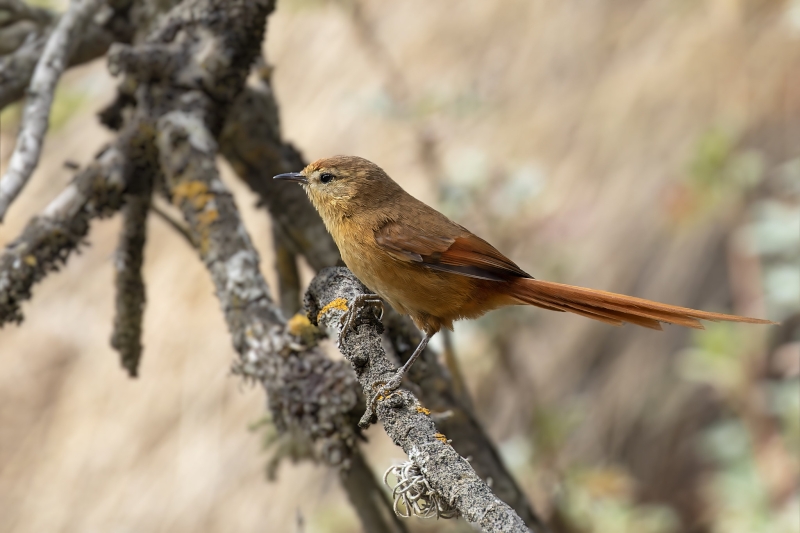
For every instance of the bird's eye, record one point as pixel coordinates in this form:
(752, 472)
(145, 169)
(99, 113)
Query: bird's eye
(325, 177)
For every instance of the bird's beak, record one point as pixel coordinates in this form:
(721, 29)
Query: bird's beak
(292, 176)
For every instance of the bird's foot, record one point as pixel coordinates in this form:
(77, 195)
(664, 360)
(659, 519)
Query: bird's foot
(348, 320)
(383, 389)
(386, 388)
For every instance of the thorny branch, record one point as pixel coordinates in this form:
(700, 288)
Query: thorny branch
(36, 115)
(404, 419)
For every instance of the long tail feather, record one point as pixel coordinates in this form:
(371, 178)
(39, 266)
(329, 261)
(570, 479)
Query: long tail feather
(614, 308)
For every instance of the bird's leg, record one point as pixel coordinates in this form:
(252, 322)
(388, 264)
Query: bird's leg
(397, 379)
(348, 320)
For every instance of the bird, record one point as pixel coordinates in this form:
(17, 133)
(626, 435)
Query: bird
(436, 271)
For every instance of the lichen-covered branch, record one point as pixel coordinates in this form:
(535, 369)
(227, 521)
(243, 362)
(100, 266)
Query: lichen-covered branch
(49, 238)
(439, 395)
(21, 57)
(404, 419)
(36, 114)
(311, 397)
(252, 143)
(126, 336)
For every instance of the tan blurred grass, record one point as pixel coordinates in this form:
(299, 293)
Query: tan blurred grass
(607, 98)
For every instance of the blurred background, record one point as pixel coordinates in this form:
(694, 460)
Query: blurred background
(650, 148)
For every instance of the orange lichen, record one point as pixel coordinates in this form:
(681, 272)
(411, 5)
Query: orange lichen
(300, 326)
(195, 192)
(207, 217)
(441, 437)
(338, 303)
(423, 410)
(30, 260)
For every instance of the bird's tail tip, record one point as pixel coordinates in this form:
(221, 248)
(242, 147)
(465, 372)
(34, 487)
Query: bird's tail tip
(617, 309)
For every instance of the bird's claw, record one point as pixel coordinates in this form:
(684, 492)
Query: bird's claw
(384, 390)
(348, 320)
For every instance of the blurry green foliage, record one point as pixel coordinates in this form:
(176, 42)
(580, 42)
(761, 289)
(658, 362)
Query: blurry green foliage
(601, 500)
(66, 104)
(736, 489)
(718, 172)
(718, 356)
(58, 5)
(718, 167)
(773, 235)
(478, 186)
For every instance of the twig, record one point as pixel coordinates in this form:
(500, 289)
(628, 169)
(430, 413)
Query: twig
(36, 115)
(404, 419)
(174, 224)
(288, 275)
(126, 336)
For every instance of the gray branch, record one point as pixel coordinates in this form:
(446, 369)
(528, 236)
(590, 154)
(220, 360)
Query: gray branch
(437, 392)
(20, 57)
(49, 238)
(311, 397)
(126, 337)
(251, 141)
(36, 115)
(404, 419)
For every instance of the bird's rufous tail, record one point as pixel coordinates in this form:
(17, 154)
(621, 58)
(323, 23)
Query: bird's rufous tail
(613, 308)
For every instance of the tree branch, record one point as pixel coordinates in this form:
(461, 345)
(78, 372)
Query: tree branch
(126, 337)
(310, 396)
(36, 115)
(49, 238)
(437, 392)
(404, 419)
(17, 68)
(251, 142)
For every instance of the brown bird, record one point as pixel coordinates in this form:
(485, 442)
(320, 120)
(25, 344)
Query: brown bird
(436, 271)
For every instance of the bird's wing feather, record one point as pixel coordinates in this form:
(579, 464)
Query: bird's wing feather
(447, 247)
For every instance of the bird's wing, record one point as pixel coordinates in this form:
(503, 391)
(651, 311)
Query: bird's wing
(446, 246)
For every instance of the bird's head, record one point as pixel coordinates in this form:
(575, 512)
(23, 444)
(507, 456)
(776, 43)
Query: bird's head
(342, 185)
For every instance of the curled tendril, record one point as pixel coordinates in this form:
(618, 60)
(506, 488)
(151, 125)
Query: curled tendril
(417, 496)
